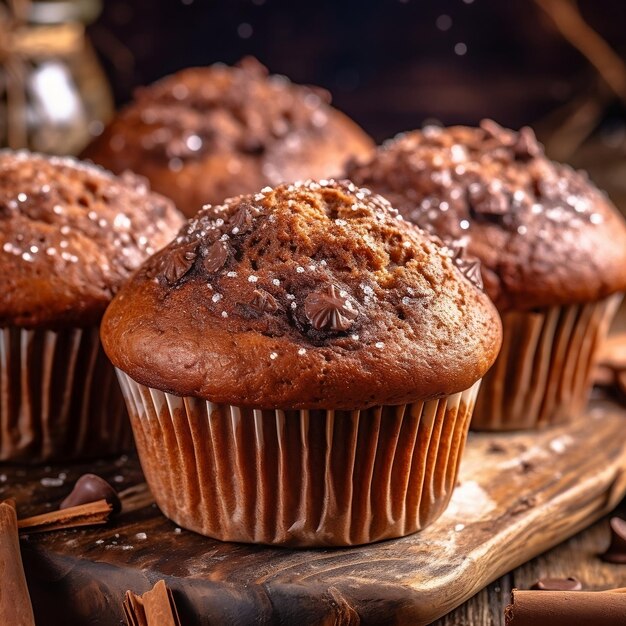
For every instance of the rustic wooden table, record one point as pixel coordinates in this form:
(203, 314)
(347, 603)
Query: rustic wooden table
(518, 495)
(575, 557)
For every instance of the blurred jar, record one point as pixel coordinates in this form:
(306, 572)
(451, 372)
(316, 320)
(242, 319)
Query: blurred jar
(54, 96)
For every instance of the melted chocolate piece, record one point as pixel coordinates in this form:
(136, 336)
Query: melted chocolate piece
(178, 262)
(263, 302)
(91, 488)
(468, 266)
(558, 584)
(327, 310)
(616, 552)
(216, 256)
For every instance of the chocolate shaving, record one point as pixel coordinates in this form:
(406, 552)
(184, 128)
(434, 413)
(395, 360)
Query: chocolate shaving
(90, 514)
(216, 256)
(527, 146)
(91, 488)
(566, 608)
(263, 302)
(15, 604)
(616, 552)
(176, 263)
(154, 608)
(328, 310)
(558, 584)
(469, 266)
(241, 221)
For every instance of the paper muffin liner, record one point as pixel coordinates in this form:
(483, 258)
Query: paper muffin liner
(298, 478)
(59, 399)
(543, 373)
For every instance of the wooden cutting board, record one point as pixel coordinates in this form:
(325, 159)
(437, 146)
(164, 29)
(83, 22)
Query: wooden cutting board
(518, 495)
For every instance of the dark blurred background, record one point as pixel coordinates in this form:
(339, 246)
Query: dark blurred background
(390, 64)
(394, 64)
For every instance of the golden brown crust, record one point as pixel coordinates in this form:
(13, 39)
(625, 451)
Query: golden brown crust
(205, 134)
(544, 234)
(314, 295)
(70, 235)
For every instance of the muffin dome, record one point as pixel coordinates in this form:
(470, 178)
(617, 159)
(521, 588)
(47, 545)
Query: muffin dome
(545, 235)
(70, 235)
(205, 134)
(312, 295)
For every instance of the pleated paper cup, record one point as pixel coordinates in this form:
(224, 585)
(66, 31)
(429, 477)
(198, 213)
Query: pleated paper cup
(543, 374)
(298, 478)
(59, 399)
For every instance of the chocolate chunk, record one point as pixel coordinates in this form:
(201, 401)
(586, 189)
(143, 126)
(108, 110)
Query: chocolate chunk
(178, 262)
(493, 129)
(484, 201)
(241, 221)
(328, 310)
(558, 584)
(251, 145)
(527, 146)
(526, 466)
(469, 266)
(91, 488)
(216, 256)
(263, 302)
(495, 447)
(616, 552)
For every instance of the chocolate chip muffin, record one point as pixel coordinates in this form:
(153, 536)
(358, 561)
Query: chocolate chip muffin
(308, 362)
(70, 235)
(552, 247)
(205, 134)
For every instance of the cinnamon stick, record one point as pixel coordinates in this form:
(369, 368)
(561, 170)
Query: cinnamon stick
(154, 608)
(15, 606)
(90, 514)
(565, 608)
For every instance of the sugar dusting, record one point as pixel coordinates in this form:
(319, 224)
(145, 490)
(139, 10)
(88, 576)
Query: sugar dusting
(470, 502)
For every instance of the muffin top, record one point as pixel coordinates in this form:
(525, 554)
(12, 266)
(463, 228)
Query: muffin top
(205, 134)
(311, 295)
(70, 235)
(546, 236)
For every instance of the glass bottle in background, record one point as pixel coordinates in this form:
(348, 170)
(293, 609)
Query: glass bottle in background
(54, 96)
